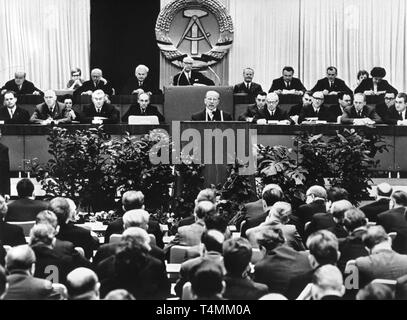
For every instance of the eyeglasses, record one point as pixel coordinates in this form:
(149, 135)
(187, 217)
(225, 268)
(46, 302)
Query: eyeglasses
(388, 98)
(317, 98)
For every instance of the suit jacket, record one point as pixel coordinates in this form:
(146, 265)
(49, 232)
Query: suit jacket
(279, 84)
(135, 110)
(383, 111)
(395, 220)
(68, 248)
(351, 248)
(254, 209)
(4, 170)
(20, 116)
(279, 266)
(25, 209)
(243, 289)
(42, 112)
(305, 212)
(189, 235)
(80, 237)
(253, 222)
(320, 221)
(373, 209)
(249, 113)
(309, 112)
(201, 116)
(384, 264)
(393, 116)
(11, 235)
(339, 86)
(295, 110)
(116, 227)
(335, 111)
(264, 113)
(108, 111)
(146, 86)
(25, 287)
(180, 79)
(367, 84)
(350, 114)
(254, 90)
(26, 88)
(90, 86)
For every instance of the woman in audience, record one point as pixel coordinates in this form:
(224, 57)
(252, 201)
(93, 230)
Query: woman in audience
(76, 80)
(362, 75)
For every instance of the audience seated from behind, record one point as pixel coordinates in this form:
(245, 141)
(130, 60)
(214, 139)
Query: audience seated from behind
(212, 112)
(271, 111)
(83, 284)
(249, 87)
(65, 211)
(100, 110)
(381, 203)
(11, 113)
(143, 108)
(10, 235)
(26, 207)
(375, 291)
(20, 85)
(327, 283)
(207, 281)
(251, 111)
(237, 254)
(132, 200)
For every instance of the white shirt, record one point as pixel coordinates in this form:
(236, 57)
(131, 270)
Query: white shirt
(248, 85)
(12, 111)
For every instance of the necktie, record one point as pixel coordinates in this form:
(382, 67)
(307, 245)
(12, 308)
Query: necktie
(11, 113)
(330, 84)
(401, 115)
(272, 113)
(317, 111)
(287, 84)
(98, 110)
(248, 86)
(360, 114)
(140, 83)
(143, 111)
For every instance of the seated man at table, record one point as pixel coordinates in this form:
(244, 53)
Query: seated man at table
(20, 85)
(51, 111)
(143, 108)
(141, 83)
(336, 111)
(97, 82)
(252, 109)
(249, 87)
(271, 111)
(212, 112)
(382, 109)
(10, 113)
(287, 84)
(360, 113)
(316, 110)
(375, 85)
(295, 111)
(99, 110)
(397, 114)
(190, 77)
(331, 84)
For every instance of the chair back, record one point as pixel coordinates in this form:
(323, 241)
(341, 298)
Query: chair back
(25, 225)
(178, 254)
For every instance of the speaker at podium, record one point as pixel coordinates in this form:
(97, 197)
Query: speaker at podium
(180, 103)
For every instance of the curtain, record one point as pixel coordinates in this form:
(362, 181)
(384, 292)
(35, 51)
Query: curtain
(44, 38)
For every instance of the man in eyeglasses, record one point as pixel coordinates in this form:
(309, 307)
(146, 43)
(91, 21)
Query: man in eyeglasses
(383, 109)
(316, 110)
(20, 85)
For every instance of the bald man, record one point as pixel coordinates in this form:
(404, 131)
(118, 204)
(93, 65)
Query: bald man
(190, 77)
(20, 85)
(95, 83)
(381, 204)
(82, 284)
(51, 111)
(327, 283)
(212, 112)
(271, 111)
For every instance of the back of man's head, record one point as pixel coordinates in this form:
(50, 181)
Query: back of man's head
(42, 233)
(204, 208)
(132, 200)
(216, 221)
(323, 246)
(327, 280)
(212, 240)
(318, 192)
(237, 254)
(136, 218)
(374, 236)
(119, 294)
(270, 237)
(207, 280)
(47, 216)
(25, 188)
(399, 197)
(384, 190)
(20, 258)
(62, 209)
(336, 194)
(3, 282)
(353, 219)
(281, 211)
(271, 196)
(206, 195)
(82, 284)
(138, 236)
(375, 291)
(338, 208)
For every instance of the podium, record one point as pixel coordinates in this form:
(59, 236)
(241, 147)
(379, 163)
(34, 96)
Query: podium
(180, 103)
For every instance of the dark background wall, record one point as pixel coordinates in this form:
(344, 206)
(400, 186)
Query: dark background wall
(123, 36)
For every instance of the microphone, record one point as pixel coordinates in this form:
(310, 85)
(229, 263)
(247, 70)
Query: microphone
(216, 75)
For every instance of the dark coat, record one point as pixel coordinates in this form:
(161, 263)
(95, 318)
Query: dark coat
(20, 116)
(146, 86)
(339, 86)
(11, 235)
(25, 209)
(309, 112)
(180, 79)
(90, 86)
(335, 111)
(367, 85)
(108, 111)
(372, 210)
(135, 110)
(42, 112)
(4, 170)
(26, 88)
(395, 220)
(264, 113)
(249, 113)
(279, 84)
(254, 90)
(367, 112)
(243, 289)
(393, 116)
(201, 116)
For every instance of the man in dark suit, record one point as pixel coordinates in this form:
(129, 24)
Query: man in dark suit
(331, 84)
(10, 113)
(143, 108)
(395, 220)
(20, 85)
(382, 109)
(99, 110)
(316, 110)
(360, 113)
(375, 85)
(295, 110)
(287, 84)
(397, 114)
(249, 87)
(212, 112)
(10, 235)
(22, 284)
(336, 111)
(190, 77)
(79, 236)
(51, 111)
(271, 111)
(254, 108)
(25, 208)
(381, 204)
(142, 83)
(97, 82)
(4, 170)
